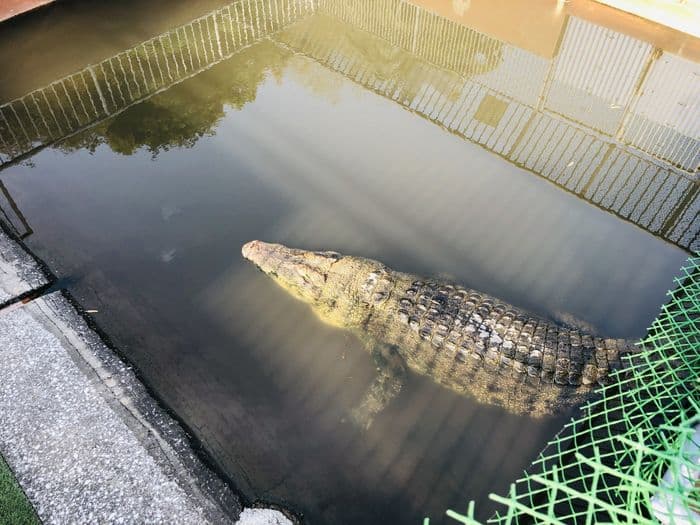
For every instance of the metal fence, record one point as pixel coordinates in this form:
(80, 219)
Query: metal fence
(80, 100)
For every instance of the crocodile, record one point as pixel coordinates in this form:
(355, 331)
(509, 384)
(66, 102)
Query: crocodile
(465, 340)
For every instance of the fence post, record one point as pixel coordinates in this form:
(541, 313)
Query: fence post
(103, 101)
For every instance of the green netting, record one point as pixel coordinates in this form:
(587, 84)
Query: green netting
(633, 455)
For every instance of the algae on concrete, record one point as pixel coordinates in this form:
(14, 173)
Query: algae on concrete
(14, 506)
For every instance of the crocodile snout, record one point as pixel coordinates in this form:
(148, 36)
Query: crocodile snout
(251, 250)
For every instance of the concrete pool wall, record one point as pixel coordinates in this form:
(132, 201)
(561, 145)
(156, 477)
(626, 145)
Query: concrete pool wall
(85, 439)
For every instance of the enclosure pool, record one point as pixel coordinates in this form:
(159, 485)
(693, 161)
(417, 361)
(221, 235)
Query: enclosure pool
(537, 154)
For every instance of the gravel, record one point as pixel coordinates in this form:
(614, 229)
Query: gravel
(263, 517)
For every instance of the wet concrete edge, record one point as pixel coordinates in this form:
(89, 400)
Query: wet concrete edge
(155, 424)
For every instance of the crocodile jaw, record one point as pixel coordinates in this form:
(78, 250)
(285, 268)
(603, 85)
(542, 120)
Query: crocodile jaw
(335, 286)
(302, 273)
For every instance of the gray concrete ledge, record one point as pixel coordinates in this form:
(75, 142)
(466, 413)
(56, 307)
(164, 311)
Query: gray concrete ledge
(85, 440)
(19, 272)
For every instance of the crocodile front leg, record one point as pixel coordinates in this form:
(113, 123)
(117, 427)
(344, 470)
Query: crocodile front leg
(391, 376)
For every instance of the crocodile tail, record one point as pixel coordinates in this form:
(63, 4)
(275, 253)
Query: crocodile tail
(574, 323)
(627, 354)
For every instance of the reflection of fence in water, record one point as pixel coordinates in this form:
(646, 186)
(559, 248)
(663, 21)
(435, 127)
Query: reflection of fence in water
(505, 103)
(651, 193)
(99, 91)
(653, 196)
(507, 69)
(603, 79)
(626, 88)
(664, 118)
(594, 74)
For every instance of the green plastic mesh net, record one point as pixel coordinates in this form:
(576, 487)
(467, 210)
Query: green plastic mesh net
(633, 455)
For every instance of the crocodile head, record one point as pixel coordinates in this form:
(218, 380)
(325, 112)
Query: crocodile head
(342, 290)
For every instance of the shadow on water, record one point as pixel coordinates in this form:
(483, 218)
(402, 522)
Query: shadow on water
(405, 132)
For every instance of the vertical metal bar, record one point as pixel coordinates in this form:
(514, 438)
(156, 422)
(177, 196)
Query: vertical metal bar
(643, 76)
(98, 89)
(544, 91)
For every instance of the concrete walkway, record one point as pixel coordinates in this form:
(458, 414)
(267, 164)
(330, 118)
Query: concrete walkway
(83, 437)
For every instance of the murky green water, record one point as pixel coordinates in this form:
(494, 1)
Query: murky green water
(379, 130)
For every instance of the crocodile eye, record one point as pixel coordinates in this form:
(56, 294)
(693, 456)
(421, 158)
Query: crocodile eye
(330, 255)
(378, 297)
